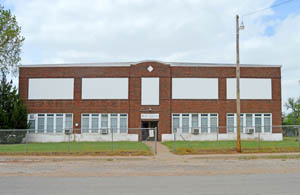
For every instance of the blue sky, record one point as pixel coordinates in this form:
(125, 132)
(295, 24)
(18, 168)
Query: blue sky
(71, 31)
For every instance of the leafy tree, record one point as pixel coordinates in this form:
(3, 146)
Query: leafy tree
(10, 41)
(13, 113)
(293, 117)
(293, 105)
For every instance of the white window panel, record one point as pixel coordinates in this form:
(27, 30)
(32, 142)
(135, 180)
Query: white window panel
(95, 123)
(204, 123)
(185, 123)
(114, 123)
(176, 122)
(195, 88)
(123, 123)
(51, 88)
(59, 123)
(41, 123)
(150, 91)
(250, 88)
(104, 88)
(50, 123)
(104, 121)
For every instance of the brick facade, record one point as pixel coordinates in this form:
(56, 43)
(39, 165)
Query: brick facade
(167, 106)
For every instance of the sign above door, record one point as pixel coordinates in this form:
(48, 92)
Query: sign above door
(149, 116)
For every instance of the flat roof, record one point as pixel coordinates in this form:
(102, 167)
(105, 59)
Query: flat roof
(127, 64)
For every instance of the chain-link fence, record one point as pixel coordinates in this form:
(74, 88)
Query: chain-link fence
(107, 141)
(197, 140)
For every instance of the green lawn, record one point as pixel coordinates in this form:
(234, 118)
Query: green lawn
(77, 148)
(201, 147)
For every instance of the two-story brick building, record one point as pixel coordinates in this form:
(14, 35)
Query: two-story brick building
(173, 96)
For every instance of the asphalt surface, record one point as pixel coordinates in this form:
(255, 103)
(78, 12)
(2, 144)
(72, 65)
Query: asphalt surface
(218, 184)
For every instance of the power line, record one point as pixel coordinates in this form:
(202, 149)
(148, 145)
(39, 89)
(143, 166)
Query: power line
(275, 5)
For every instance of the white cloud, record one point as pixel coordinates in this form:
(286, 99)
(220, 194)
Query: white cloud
(171, 30)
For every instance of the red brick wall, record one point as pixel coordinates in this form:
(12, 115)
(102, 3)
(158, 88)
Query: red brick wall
(167, 106)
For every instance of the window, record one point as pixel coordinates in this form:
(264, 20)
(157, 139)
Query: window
(104, 121)
(123, 123)
(95, 123)
(31, 123)
(50, 123)
(85, 123)
(230, 123)
(114, 123)
(249, 120)
(195, 121)
(267, 123)
(69, 121)
(204, 123)
(185, 123)
(41, 123)
(213, 123)
(261, 122)
(242, 123)
(59, 123)
(176, 118)
(207, 123)
(258, 123)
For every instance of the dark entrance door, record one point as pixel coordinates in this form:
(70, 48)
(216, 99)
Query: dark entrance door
(146, 134)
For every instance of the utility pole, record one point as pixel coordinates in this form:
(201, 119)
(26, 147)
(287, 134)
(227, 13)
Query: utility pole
(238, 101)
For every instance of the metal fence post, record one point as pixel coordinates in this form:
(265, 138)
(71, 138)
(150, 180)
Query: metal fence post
(155, 147)
(112, 140)
(174, 142)
(217, 144)
(26, 142)
(69, 142)
(259, 140)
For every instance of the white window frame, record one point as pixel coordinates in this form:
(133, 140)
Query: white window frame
(180, 116)
(253, 122)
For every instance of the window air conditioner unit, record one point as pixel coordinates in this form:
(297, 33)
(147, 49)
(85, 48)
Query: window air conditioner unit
(195, 131)
(249, 130)
(104, 131)
(68, 131)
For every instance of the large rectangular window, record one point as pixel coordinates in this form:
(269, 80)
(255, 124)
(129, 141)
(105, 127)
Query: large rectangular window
(104, 88)
(185, 122)
(50, 122)
(251, 88)
(195, 88)
(116, 123)
(150, 91)
(50, 88)
(262, 123)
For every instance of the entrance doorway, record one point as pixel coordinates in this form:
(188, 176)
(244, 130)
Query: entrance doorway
(148, 134)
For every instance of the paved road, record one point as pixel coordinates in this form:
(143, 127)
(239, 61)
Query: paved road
(239, 184)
